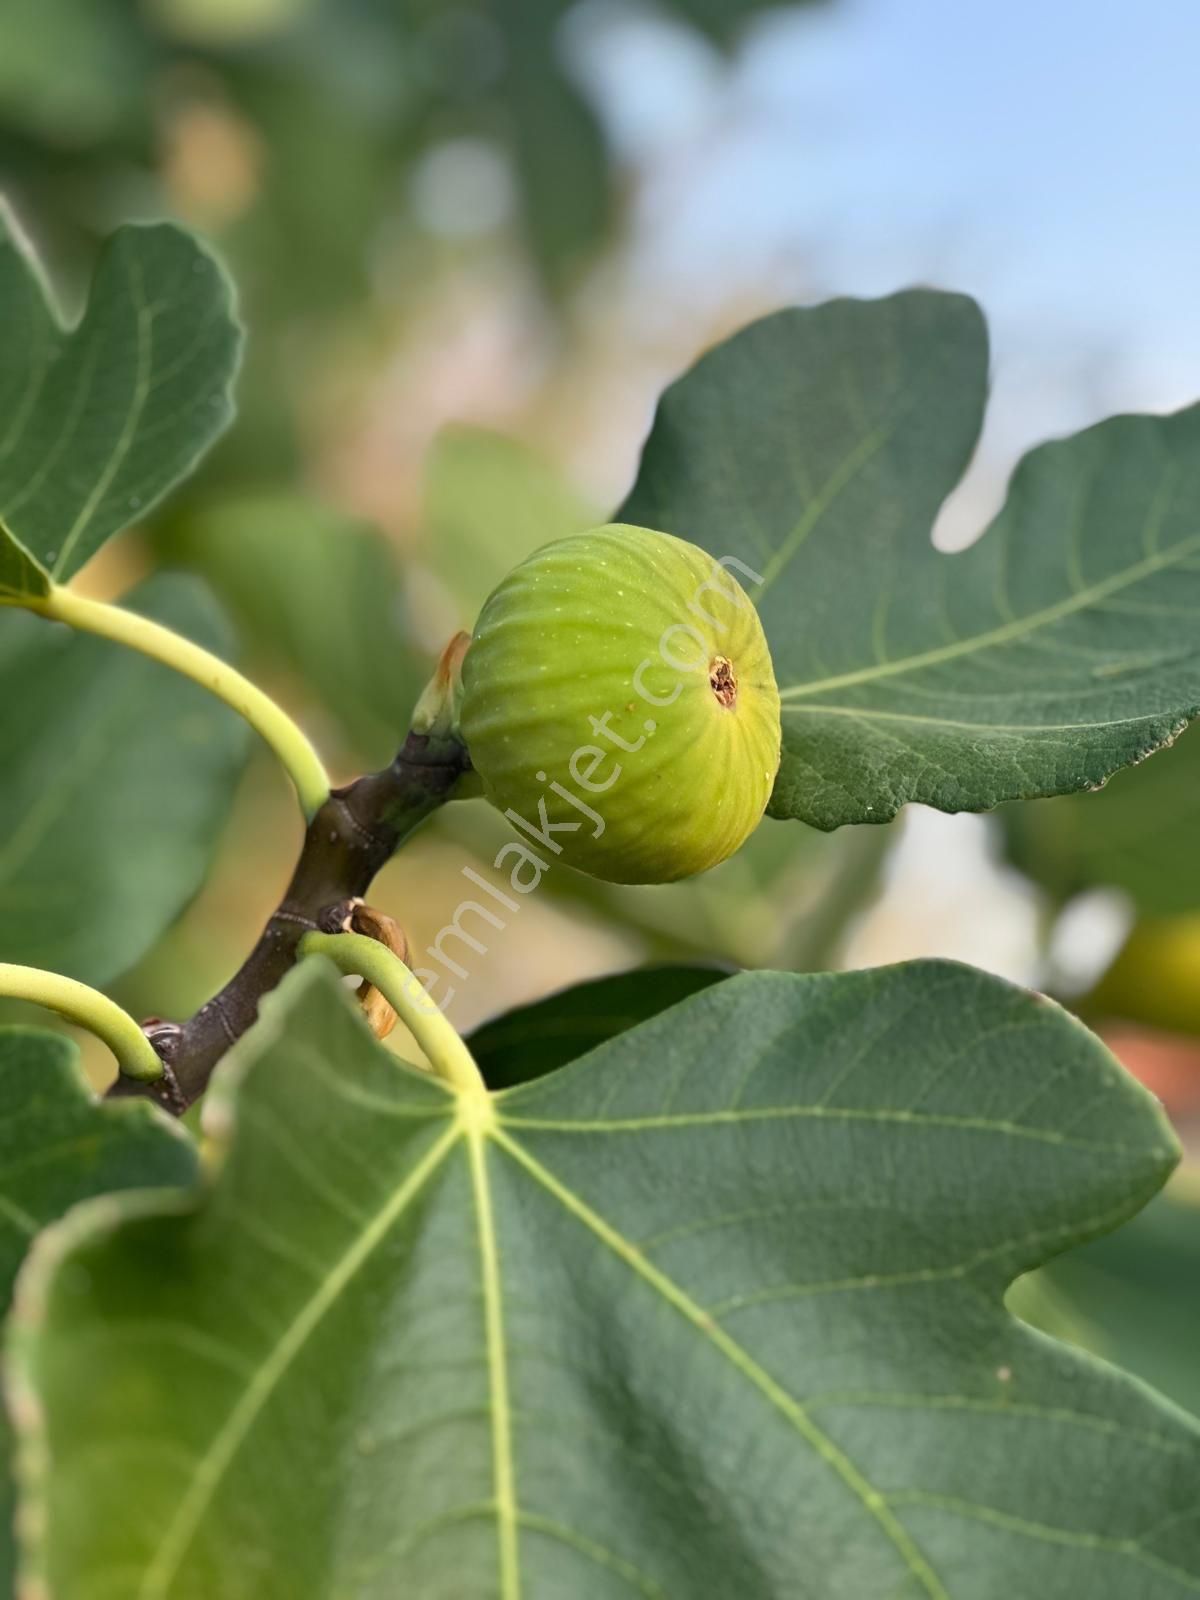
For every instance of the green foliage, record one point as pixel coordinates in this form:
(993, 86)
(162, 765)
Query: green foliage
(69, 69)
(532, 1040)
(816, 446)
(57, 1147)
(100, 420)
(1138, 834)
(1137, 1294)
(118, 778)
(716, 1309)
(281, 561)
(353, 91)
(490, 502)
(21, 576)
(720, 1306)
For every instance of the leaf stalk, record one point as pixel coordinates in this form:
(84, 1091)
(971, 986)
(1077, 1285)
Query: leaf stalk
(301, 762)
(355, 953)
(89, 1009)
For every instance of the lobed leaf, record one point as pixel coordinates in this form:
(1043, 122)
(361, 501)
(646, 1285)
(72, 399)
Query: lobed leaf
(100, 420)
(118, 778)
(717, 1309)
(816, 446)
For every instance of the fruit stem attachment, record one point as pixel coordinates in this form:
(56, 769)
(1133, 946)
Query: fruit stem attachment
(301, 762)
(355, 953)
(88, 1008)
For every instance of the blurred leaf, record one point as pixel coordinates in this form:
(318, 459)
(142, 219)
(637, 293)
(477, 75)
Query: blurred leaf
(98, 421)
(558, 148)
(1154, 977)
(1138, 1292)
(437, 1344)
(219, 22)
(489, 502)
(322, 595)
(816, 445)
(59, 1146)
(532, 1040)
(118, 777)
(69, 69)
(723, 20)
(1138, 834)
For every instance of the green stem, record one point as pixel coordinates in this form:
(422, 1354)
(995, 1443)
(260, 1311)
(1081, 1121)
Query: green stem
(90, 1009)
(301, 762)
(355, 953)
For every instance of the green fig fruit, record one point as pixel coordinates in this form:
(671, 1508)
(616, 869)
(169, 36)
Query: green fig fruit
(619, 705)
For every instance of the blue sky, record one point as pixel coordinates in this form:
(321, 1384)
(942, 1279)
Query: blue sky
(1044, 157)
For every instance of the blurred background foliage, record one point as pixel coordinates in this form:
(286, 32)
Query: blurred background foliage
(446, 221)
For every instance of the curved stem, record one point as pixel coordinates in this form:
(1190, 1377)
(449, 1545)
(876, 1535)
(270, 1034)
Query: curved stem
(300, 760)
(90, 1009)
(355, 953)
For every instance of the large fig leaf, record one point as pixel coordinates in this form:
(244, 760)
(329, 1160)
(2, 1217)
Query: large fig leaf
(715, 1310)
(816, 446)
(118, 776)
(59, 1146)
(98, 421)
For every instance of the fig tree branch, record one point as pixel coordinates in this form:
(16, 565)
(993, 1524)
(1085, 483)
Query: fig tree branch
(352, 835)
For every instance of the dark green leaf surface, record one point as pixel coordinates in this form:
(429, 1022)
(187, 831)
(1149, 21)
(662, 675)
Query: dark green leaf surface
(117, 778)
(21, 577)
(1138, 834)
(532, 1040)
(97, 422)
(716, 1310)
(816, 447)
(59, 1146)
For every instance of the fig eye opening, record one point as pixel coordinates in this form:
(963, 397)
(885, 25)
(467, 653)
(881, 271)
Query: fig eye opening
(722, 681)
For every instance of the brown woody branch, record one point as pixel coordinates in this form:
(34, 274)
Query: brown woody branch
(350, 838)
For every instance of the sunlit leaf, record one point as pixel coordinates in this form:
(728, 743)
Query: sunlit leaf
(816, 446)
(715, 1310)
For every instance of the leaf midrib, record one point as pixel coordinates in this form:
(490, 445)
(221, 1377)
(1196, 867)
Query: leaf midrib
(133, 416)
(475, 1122)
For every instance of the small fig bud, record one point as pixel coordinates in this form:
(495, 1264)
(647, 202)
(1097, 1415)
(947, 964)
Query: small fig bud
(619, 704)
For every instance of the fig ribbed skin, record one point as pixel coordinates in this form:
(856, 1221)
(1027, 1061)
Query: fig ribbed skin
(619, 699)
